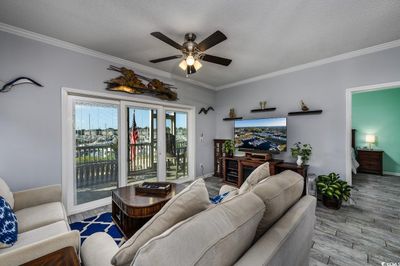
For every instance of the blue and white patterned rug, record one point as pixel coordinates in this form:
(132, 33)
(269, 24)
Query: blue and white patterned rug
(100, 223)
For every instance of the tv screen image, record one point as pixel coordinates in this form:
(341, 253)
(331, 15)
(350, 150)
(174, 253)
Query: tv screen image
(261, 135)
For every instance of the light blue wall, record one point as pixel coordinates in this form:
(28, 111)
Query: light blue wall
(321, 87)
(30, 117)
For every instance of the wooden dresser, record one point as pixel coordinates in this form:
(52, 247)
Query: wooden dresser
(371, 161)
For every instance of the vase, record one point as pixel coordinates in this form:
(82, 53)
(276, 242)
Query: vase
(331, 203)
(299, 160)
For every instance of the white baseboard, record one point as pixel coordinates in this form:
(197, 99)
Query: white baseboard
(205, 175)
(391, 173)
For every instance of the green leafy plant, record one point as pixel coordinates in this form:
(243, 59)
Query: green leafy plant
(229, 147)
(333, 187)
(303, 150)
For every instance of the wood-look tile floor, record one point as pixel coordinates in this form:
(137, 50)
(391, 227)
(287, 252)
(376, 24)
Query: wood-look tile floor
(364, 233)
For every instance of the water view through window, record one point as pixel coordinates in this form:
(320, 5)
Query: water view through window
(96, 150)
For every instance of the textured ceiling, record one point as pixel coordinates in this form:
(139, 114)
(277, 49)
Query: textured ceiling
(263, 35)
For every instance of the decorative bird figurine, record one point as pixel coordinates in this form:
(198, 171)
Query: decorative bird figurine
(304, 107)
(205, 111)
(19, 81)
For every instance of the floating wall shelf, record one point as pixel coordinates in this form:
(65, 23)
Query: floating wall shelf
(263, 110)
(313, 112)
(234, 118)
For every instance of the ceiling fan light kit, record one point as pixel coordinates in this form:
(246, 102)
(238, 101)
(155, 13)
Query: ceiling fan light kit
(193, 52)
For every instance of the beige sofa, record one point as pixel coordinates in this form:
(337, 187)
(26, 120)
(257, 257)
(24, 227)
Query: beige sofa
(271, 224)
(42, 224)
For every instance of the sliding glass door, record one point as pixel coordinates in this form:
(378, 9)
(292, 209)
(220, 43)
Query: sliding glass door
(142, 144)
(113, 143)
(176, 139)
(95, 130)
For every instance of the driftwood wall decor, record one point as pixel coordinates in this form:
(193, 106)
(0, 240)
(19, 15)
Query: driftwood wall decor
(132, 83)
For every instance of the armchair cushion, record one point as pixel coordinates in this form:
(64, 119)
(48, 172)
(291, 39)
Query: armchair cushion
(190, 201)
(41, 215)
(36, 196)
(6, 193)
(36, 243)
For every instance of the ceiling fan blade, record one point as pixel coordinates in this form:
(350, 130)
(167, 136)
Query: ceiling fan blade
(167, 40)
(216, 59)
(211, 40)
(165, 58)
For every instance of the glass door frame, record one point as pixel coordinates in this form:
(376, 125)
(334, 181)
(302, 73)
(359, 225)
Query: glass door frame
(124, 137)
(68, 146)
(69, 184)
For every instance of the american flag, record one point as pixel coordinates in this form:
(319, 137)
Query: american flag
(133, 138)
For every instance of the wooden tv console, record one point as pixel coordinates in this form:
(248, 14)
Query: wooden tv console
(237, 169)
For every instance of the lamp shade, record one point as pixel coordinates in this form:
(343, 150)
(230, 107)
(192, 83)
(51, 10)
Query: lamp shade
(370, 138)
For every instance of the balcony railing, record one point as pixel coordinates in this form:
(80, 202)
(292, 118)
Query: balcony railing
(97, 165)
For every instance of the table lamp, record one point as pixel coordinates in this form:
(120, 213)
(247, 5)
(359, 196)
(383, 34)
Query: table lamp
(370, 139)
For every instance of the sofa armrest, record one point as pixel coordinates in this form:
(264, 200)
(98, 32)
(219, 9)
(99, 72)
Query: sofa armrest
(98, 249)
(226, 188)
(41, 248)
(36, 196)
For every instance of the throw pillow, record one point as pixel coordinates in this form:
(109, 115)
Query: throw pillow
(214, 237)
(279, 193)
(6, 193)
(219, 198)
(8, 225)
(187, 203)
(256, 176)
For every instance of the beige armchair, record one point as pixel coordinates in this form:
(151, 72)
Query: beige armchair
(42, 224)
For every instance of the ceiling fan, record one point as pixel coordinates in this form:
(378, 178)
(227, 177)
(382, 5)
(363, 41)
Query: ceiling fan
(193, 52)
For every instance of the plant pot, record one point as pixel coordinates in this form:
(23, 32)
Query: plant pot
(299, 160)
(229, 155)
(331, 203)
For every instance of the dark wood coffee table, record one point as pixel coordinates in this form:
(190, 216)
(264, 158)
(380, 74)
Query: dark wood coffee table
(130, 211)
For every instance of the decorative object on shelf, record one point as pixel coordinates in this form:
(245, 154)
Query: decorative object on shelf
(304, 107)
(232, 113)
(370, 139)
(193, 52)
(313, 112)
(333, 190)
(18, 81)
(205, 111)
(263, 105)
(132, 83)
(301, 152)
(229, 148)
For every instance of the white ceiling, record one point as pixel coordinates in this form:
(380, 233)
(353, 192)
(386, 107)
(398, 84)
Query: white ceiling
(264, 36)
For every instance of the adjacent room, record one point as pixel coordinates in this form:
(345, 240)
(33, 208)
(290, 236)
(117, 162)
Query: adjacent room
(154, 133)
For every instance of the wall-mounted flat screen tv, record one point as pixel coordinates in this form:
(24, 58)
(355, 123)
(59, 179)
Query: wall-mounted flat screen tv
(261, 135)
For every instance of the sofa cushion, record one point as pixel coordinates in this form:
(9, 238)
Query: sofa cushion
(33, 236)
(188, 202)
(216, 236)
(37, 216)
(279, 193)
(8, 225)
(6, 193)
(260, 173)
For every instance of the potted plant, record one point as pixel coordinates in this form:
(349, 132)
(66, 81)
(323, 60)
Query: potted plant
(333, 190)
(301, 152)
(229, 148)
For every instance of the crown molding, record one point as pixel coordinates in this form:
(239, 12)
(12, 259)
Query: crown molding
(83, 50)
(150, 70)
(356, 53)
